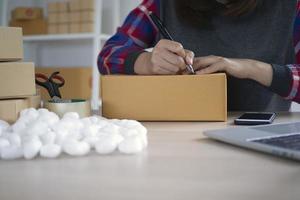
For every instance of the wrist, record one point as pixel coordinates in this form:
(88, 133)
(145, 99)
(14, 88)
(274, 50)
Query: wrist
(142, 65)
(261, 72)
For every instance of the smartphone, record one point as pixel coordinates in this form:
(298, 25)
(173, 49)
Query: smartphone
(255, 118)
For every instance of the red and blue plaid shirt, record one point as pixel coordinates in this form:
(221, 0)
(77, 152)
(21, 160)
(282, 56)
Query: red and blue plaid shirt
(137, 33)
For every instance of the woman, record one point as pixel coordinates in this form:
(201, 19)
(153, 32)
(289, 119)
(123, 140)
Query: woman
(252, 41)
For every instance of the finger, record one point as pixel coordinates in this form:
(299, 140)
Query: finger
(162, 71)
(189, 59)
(173, 46)
(203, 62)
(174, 59)
(216, 67)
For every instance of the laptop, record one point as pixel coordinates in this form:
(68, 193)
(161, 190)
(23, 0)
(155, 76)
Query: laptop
(280, 139)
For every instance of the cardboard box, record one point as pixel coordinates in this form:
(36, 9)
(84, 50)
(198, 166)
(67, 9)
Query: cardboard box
(27, 13)
(87, 4)
(62, 28)
(78, 82)
(52, 7)
(11, 44)
(53, 18)
(87, 16)
(63, 6)
(52, 29)
(17, 79)
(75, 5)
(10, 109)
(165, 98)
(63, 17)
(87, 27)
(74, 28)
(31, 27)
(75, 17)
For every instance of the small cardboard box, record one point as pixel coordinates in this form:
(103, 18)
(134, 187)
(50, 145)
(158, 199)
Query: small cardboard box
(63, 28)
(63, 6)
(31, 27)
(52, 7)
(52, 29)
(75, 17)
(87, 16)
(11, 44)
(87, 27)
(63, 17)
(53, 18)
(74, 28)
(75, 5)
(27, 13)
(87, 4)
(78, 82)
(10, 108)
(165, 98)
(17, 80)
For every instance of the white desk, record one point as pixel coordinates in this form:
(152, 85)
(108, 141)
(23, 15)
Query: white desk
(180, 163)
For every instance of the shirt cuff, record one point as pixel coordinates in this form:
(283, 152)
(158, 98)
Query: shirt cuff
(282, 80)
(130, 61)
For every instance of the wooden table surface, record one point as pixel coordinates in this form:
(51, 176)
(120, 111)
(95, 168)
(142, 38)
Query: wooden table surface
(180, 163)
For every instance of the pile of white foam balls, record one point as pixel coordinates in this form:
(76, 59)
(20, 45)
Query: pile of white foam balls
(40, 132)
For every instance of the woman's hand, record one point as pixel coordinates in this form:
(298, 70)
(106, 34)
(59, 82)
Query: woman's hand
(239, 68)
(167, 58)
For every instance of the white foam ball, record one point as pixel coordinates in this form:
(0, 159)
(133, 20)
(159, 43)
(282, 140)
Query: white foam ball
(32, 148)
(131, 145)
(11, 152)
(19, 126)
(76, 148)
(43, 111)
(3, 126)
(48, 138)
(109, 129)
(108, 144)
(91, 140)
(50, 118)
(71, 115)
(14, 139)
(4, 143)
(50, 151)
(37, 128)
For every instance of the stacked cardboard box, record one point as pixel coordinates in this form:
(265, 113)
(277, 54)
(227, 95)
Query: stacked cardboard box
(17, 79)
(74, 16)
(31, 19)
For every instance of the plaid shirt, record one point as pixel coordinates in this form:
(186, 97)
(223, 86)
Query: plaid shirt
(137, 33)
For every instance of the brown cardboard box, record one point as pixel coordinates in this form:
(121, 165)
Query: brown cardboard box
(11, 44)
(52, 7)
(27, 13)
(87, 16)
(63, 6)
(53, 18)
(87, 4)
(62, 28)
(52, 29)
(10, 109)
(75, 17)
(87, 27)
(17, 79)
(31, 27)
(165, 98)
(75, 5)
(63, 17)
(74, 28)
(78, 82)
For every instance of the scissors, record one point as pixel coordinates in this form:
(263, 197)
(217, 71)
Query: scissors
(52, 84)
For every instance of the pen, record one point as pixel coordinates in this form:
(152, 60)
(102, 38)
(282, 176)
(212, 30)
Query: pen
(165, 33)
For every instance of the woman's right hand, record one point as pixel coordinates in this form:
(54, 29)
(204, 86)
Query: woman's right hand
(167, 58)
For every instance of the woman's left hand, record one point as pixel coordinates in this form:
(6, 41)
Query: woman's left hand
(239, 68)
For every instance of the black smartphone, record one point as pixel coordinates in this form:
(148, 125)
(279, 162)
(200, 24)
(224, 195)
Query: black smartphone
(255, 118)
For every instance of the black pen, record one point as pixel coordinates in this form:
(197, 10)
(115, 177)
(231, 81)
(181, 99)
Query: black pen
(165, 33)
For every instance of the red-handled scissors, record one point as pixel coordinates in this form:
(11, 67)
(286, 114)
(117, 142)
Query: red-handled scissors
(52, 84)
